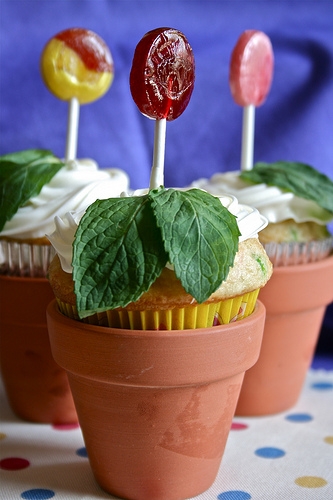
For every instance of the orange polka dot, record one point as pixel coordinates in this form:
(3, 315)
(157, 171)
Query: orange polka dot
(311, 481)
(2, 435)
(328, 439)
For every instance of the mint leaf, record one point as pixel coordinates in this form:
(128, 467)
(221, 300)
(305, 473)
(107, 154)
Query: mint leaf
(122, 245)
(118, 254)
(200, 235)
(22, 176)
(301, 179)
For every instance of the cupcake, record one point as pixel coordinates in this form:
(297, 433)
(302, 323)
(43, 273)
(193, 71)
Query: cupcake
(77, 67)
(178, 267)
(36, 186)
(137, 325)
(182, 261)
(143, 285)
(52, 187)
(296, 200)
(37, 389)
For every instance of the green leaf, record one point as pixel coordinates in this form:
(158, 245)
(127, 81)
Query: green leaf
(302, 180)
(118, 254)
(122, 245)
(200, 235)
(22, 176)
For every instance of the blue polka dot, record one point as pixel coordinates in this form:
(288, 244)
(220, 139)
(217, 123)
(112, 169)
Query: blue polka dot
(299, 417)
(322, 386)
(234, 495)
(82, 452)
(269, 452)
(37, 494)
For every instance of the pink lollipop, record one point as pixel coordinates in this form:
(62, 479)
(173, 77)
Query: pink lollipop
(161, 83)
(250, 78)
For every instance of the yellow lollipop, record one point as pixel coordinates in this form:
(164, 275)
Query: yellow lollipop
(76, 66)
(77, 63)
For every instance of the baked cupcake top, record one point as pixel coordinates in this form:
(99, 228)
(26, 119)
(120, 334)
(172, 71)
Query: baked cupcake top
(280, 191)
(120, 247)
(297, 201)
(77, 67)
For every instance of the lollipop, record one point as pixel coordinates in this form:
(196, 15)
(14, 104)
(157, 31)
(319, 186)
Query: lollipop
(250, 77)
(161, 83)
(77, 66)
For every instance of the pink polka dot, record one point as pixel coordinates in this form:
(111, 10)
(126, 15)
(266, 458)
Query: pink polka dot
(237, 426)
(14, 463)
(65, 427)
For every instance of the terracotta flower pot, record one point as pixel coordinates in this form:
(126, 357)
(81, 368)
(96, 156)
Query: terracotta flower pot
(295, 299)
(155, 407)
(36, 387)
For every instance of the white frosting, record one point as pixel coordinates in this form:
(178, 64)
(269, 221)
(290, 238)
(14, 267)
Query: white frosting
(73, 188)
(249, 221)
(63, 236)
(275, 204)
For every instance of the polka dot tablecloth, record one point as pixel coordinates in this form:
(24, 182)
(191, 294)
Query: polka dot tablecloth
(283, 457)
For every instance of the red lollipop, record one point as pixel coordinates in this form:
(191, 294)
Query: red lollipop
(251, 68)
(162, 74)
(161, 82)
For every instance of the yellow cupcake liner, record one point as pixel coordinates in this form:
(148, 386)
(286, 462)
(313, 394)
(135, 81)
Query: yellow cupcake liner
(190, 317)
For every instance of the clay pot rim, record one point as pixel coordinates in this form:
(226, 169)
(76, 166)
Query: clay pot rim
(163, 358)
(300, 268)
(53, 311)
(31, 279)
(299, 288)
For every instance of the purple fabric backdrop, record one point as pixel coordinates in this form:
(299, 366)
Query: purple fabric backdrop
(295, 122)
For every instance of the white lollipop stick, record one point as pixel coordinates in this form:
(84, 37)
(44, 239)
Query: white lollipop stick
(248, 137)
(157, 171)
(72, 128)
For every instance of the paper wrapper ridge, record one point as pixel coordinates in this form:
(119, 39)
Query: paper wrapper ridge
(190, 317)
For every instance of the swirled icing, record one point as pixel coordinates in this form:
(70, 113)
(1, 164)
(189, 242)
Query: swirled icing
(275, 204)
(249, 221)
(74, 187)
